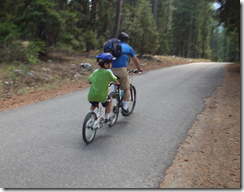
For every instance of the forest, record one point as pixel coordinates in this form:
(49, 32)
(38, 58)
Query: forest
(185, 28)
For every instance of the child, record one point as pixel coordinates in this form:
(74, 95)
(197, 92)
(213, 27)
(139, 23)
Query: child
(100, 79)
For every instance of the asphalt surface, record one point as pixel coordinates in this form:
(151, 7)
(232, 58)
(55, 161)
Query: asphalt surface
(42, 145)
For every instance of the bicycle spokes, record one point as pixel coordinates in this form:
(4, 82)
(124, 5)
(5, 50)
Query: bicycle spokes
(88, 130)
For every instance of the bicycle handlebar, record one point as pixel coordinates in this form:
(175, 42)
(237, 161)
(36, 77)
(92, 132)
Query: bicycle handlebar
(128, 71)
(133, 71)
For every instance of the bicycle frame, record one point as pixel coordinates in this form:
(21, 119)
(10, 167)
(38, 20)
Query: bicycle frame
(118, 91)
(100, 117)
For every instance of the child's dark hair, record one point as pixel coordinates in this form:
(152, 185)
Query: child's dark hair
(102, 62)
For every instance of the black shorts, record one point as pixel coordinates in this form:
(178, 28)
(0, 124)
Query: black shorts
(95, 104)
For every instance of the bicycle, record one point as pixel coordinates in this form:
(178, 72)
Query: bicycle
(95, 120)
(117, 103)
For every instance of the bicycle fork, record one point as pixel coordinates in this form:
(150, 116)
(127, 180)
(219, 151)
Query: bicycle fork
(99, 119)
(99, 123)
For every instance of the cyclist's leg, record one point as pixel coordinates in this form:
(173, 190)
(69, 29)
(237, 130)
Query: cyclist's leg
(114, 108)
(123, 77)
(93, 106)
(126, 96)
(125, 85)
(107, 105)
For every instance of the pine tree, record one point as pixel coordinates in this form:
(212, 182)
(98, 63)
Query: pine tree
(164, 25)
(229, 14)
(142, 31)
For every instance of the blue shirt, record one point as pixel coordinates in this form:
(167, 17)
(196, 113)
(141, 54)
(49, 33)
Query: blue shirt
(123, 59)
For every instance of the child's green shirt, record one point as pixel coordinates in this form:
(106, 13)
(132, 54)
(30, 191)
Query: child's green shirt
(100, 79)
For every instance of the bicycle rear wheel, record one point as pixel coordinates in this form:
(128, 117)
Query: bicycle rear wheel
(87, 131)
(132, 101)
(115, 108)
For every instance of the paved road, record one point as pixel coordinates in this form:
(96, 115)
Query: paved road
(42, 146)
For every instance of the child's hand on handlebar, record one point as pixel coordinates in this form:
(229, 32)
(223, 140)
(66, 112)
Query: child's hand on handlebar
(116, 83)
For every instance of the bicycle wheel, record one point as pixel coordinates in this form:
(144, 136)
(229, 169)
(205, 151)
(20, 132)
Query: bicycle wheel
(87, 131)
(132, 101)
(115, 108)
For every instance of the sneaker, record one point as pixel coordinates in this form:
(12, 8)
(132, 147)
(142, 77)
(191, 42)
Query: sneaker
(108, 121)
(125, 112)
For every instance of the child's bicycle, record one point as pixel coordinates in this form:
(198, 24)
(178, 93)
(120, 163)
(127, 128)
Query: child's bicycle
(95, 120)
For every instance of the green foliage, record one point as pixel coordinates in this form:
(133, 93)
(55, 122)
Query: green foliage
(182, 28)
(89, 38)
(223, 47)
(68, 35)
(37, 45)
(8, 32)
(143, 33)
(220, 60)
(228, 14)
(33, 49)
(101, 41)
(164, 25)
(18, 52)
(191, 28)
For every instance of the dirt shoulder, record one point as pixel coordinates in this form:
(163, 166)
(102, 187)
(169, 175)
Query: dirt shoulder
(210, 156)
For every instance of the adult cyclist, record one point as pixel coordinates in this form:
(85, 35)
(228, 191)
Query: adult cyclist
(119, 69)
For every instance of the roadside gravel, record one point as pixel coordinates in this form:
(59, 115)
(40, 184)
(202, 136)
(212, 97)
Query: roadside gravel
(210, 156)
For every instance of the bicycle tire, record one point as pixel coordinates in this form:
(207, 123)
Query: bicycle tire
(87, 132)
(132, 102)
(115, 108)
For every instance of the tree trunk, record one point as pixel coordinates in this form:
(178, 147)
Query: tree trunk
(142, 45)
(94, 10)
(117, 19)
(106, 23)
(192, 53)
(155, 6)
(41, 33)
(204, 30)
(105, 27)
(167, 20)
(94, 13)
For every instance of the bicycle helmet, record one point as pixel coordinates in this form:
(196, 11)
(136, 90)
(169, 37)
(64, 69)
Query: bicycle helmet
(104, 58)
(108, 57)
(123, 37)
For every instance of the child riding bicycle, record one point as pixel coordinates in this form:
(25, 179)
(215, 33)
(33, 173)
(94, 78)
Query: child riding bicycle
(100, 79)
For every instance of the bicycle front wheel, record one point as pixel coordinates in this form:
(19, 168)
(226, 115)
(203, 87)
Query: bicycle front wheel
(87, 131)
(132, 101)
(115, 108)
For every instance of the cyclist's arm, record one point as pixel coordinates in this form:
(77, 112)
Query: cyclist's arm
(91, 77)
(113, 77)
(116, 82)
(137, 64)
